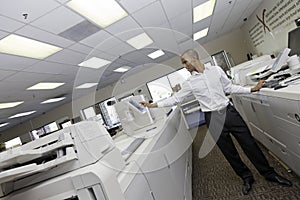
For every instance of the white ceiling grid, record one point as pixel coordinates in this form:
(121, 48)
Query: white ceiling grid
(45, 20)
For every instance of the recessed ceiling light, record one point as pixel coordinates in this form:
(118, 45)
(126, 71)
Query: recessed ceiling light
(86, 85)
(4, 124)
(94, 63)
(53, 100)
(200, 34)
(156, 54)
(45, 86)
(22, 114)
(22, 46)
(101, 12)
(10, 104)
(140, 41)
(203, 10)
(122, 69)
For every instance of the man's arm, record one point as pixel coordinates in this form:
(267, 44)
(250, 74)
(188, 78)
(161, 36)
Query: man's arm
(258, 86)
(173, 100)
(231, 88)
(149, 105)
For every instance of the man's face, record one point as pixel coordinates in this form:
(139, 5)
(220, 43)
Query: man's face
(187, 63)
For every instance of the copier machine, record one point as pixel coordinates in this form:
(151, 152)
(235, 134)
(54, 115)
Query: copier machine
(77, 162)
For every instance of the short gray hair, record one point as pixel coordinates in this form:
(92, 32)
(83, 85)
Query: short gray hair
(191, 53)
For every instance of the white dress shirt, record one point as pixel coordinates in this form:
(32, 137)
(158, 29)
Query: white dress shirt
(209, 89)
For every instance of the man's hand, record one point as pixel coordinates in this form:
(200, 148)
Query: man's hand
(149, 105)
(258, 86)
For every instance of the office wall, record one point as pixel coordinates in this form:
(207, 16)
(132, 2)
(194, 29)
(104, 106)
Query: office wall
(266, 30)
(233, 43)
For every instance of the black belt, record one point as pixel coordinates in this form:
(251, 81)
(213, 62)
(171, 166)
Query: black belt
(227, 107)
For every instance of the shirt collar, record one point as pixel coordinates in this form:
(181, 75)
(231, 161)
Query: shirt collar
(195, 73)
(198, 73)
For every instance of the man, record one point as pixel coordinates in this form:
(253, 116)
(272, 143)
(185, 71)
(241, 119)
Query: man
(209, 85)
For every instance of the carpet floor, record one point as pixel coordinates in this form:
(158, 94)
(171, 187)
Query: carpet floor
(213, 177)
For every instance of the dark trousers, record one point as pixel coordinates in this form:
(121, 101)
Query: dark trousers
(220, 125)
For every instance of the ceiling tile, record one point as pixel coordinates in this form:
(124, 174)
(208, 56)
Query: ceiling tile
(58, 20)
(67, 56)
(124, 36)
(222, 6)
(198, 2)
(81, 48)
(3, 34)
(9, 25)
(50, 68)
(43, 36)
(109, 43)
(137, 57)
(175, 8)
(183, 23)
(86, 75)
(28, 76)
(103, 55)
(124, 25)
(80, 31)
(96, 39)
(62, 1)
(34, 8)
(164, 39)
(205, 23)
(133, 5)
(5, 73)
(142, 16)
(121, 49)
(11, 62)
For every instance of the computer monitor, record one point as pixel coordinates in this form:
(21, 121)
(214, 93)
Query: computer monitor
(51, 127)
(65, 124)
(294, 41)
(133, 116)
(37, 133)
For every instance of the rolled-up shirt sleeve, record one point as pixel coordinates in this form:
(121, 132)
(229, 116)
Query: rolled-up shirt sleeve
(177, 97)
(231, 88)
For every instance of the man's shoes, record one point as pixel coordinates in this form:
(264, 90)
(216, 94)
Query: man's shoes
(279, 179)
(247, 185)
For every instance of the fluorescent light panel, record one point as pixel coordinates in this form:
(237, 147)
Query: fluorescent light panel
(45, 86)
(22, 114)
(22, 46)
(101, 12)
(156, 54)
(4, 124)
(140, 41)
(53, 100)
(203, 10)
(86, 85)
(10, 104)
(122, 69)
(94, 63)
(200, 34)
